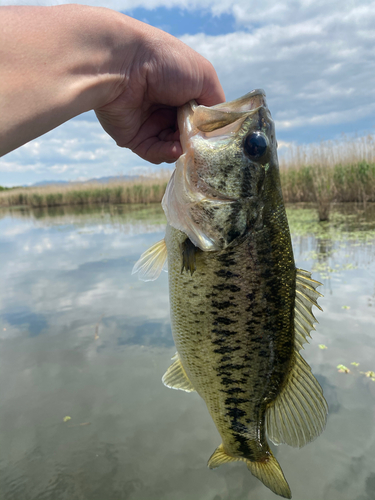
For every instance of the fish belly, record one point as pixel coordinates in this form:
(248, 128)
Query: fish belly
(232, 322)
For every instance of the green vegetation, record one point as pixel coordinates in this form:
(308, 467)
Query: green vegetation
(142, 190)
(326, 184)
(340, 171)
(330, 172)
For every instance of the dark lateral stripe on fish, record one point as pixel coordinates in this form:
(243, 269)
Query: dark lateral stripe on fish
(223, 305)
(223, 333)
(227, 260)
(219, 341)
(227, 380)
(233, 390)
(224, 321)
(244, 448)
(222, 273)
(235, 413)
(226, 349)
(235, 401)
(225, 358)
(231, 366)
(221, 287)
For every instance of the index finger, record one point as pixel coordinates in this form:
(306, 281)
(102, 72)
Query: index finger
(212, 92)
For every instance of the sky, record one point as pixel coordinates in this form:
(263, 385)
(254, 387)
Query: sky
(314, 58)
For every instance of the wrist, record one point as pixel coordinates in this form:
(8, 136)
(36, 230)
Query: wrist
(58, 62)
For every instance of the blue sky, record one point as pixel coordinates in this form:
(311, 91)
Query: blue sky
(314, 58)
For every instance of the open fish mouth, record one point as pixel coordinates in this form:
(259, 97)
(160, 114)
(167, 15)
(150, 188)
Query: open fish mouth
(224, 119)
(206, 131)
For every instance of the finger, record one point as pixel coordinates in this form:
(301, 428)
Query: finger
(156, 151)
(162, 121)
(211, 92)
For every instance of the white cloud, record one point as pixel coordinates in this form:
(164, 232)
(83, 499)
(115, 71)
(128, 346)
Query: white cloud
(78, 148)
(316, 70)
(313, 58)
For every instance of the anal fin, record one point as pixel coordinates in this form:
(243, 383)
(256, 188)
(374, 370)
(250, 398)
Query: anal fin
(220, 457)
(175, 377)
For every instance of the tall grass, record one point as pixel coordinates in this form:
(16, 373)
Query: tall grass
(141, 190)
(332, 171)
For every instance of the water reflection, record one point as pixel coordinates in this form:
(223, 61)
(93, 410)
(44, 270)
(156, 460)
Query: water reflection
(81, 337)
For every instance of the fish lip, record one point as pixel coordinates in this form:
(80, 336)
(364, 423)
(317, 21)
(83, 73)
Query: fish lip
(194, 118)
(245, 103)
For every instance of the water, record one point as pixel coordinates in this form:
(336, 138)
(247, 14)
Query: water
(82, 338)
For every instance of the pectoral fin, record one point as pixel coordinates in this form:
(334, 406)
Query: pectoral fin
(152, 262)
(175, 377)
(188, 253)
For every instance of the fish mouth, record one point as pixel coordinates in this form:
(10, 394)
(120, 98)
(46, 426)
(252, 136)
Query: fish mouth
(227, 113)
(220, 122)
(223, 119)
(188, 195)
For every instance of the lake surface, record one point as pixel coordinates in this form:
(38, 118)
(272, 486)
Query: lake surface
(82, 338)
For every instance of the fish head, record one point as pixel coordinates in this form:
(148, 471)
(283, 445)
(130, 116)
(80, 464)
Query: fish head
(217, 190)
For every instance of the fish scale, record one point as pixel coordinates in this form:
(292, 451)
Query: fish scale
(238, 334)
(240, 310)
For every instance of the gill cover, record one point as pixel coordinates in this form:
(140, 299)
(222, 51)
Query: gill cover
(196, 204)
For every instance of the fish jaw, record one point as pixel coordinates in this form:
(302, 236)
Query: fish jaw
(215, 181)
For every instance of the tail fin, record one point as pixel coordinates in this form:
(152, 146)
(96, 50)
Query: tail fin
(271, 475)
(269, 471)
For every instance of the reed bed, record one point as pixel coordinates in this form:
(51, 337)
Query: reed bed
(140, 190)
(332, 171)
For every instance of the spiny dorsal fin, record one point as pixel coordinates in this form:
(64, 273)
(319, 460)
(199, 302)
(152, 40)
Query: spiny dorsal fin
(175, 377)
(152, 262)
(306, 297)
(298, 415)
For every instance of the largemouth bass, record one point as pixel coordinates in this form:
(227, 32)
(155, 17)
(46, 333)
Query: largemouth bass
(240, 310)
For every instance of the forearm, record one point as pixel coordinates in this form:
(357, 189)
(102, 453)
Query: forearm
(58, 62)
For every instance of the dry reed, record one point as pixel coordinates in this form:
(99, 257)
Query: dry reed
(140, 190)
(331, 171)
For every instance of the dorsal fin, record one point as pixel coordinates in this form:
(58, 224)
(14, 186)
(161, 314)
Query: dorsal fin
(175, 377)
(298, 414)
(306, 297)
(152, 262)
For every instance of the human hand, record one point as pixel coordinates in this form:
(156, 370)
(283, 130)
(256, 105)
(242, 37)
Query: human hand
(164, 74)
(58, 62)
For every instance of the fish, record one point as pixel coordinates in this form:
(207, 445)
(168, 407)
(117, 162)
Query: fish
(240, 309)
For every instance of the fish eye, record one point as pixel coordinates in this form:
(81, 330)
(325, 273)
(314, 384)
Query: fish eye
(256, 145)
